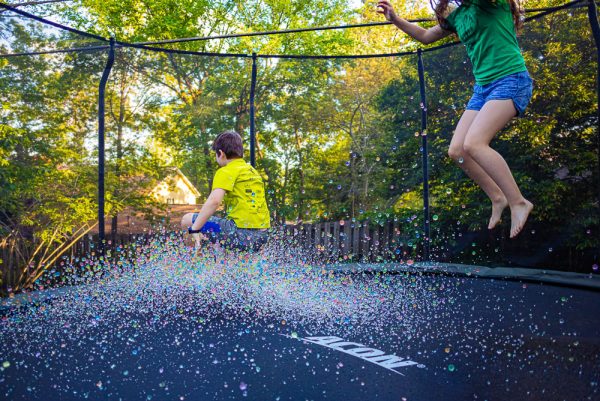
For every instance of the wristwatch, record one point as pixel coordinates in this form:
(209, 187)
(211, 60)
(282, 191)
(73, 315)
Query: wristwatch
(190, 231)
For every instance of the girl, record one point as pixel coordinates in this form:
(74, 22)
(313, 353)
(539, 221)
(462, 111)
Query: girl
(502, 90)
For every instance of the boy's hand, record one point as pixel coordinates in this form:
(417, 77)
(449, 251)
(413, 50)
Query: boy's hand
(384, 7)
(196, 238)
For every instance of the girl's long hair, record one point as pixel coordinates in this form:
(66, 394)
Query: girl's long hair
(441, 8)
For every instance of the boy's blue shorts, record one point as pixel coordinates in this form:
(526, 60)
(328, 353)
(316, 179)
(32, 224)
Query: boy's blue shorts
(227, 233)
(516, 87)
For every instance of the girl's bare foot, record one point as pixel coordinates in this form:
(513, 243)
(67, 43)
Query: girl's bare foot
(497, 208)
(518, 216)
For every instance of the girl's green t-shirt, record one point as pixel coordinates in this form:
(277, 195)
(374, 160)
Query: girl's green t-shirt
(487, 30)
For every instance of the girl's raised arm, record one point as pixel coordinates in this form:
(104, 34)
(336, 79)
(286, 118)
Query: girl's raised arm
(425, 36)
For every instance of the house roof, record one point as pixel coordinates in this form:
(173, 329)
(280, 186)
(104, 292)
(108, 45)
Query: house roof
(185, 180)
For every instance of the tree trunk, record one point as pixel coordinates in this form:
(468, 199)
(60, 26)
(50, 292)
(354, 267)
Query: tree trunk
(284, 187)
(301, 174)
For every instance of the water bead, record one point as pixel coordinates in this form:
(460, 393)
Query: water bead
(435, 217)
(451, 368)
(243, 386)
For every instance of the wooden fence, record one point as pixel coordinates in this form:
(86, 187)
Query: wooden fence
(333, 240)
(351, 240)
(11, 266)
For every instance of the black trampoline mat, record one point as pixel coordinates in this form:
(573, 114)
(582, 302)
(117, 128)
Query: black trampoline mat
(362, 337)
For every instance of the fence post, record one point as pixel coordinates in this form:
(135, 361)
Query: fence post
(365, 240)
(385, 243)
(347, 239)
(375, 247)
(355, 240)
(326, 238)
(336, 240)
(307, 235)
(318, 236)
(395, 238)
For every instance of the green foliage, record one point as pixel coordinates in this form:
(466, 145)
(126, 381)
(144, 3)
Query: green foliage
(337, 139)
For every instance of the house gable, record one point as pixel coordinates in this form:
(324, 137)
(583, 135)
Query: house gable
(176, 189)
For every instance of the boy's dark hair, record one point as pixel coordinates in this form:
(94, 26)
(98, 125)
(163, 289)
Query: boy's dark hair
(230, 143)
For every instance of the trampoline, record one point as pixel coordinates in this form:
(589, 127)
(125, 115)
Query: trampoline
(186, 326)
(167, 323)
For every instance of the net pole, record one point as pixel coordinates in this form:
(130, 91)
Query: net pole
(252, 113)
(425, 153)
(593, 17)
(101, 144)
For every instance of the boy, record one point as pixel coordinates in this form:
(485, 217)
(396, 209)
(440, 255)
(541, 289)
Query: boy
(241, 188)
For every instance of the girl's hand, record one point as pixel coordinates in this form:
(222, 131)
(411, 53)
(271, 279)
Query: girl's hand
(384, 7)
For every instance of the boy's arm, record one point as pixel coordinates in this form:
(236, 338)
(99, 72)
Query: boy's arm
(209, 208)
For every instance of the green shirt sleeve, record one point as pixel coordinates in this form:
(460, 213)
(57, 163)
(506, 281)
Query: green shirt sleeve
(224, 179)
(447, 23)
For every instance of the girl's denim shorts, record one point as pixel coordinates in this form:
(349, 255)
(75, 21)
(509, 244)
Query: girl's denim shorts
(517, 87)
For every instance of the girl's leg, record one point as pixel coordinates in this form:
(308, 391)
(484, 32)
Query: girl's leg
(472, 169)
(493, 116)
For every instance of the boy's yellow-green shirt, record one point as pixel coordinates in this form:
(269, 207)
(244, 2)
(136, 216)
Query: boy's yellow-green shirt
(245, 201)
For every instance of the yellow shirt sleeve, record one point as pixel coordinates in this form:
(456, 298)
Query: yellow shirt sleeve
(224, 179)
